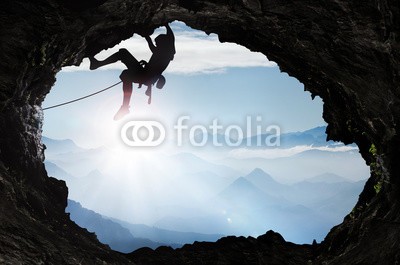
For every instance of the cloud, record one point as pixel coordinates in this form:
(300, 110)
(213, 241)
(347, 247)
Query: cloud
(243, 153)
(197, 53)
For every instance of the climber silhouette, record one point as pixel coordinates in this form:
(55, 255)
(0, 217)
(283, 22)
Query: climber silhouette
(142, 73)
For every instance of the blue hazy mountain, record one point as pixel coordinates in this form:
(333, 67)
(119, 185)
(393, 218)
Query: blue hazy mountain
(291, 139)
(193, 163)
(180, 197)
(252, 203)
(126, 237)
(265, 182)
(315, 193)
(213, 139)
(108, 232)
(306, 164)
(325, 191)
(340, 203)
(315, 137)
(60, 146)
(59, 173)
(240, 200)
(327, 178)
(244, 195)
(165, 236)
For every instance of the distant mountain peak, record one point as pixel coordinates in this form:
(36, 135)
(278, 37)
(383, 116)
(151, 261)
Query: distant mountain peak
(95, 173)
(65, 141)
(259, 174)
(265, 182)
(55, 146)
(240, 186)
(257, 170)
(241, 181)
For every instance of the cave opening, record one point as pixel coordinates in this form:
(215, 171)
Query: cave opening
(301, 188)
(345, 52)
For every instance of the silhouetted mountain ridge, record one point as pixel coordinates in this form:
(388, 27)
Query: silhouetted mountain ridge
(54, 146)
(107, 231)
(166, 236)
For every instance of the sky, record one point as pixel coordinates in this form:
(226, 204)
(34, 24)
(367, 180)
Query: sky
(206, 80)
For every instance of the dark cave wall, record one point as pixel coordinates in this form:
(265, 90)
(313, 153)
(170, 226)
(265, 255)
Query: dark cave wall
(346, 52)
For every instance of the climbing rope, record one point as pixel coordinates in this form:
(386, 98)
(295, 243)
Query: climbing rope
(78, 99)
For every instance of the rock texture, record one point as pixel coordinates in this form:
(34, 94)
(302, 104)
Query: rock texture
(347, 52)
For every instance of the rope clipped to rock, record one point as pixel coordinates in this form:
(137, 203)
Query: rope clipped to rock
(78, 99)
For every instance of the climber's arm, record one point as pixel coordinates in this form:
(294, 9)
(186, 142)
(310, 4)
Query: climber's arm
(171, 37)
(150, 43)
(169, 32)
